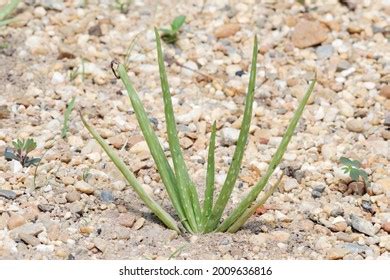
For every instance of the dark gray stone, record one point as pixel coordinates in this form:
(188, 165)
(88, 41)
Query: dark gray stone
(7, 194)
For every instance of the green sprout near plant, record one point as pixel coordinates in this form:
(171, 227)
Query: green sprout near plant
(77, 71)
(6, 11)
(352, 168)
(86, 174)
(122, 5)
(196, 218)
(170, 35)
(68, 111)
(4, 46)
(20, 152)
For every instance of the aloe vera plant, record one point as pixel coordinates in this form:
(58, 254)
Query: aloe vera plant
(194, 216)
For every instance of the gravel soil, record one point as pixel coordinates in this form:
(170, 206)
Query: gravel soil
(81, 208)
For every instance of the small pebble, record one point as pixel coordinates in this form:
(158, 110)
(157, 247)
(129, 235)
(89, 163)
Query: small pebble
(226, 30)
(139, 223)
(107, 196)
(46, 207)
(16, 221)
(362, 225)
(84, 187)
(7, 194)
(29, 239)
(355, 125)
(385, 91)
(73, 196)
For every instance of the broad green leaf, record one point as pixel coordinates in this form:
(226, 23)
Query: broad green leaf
(247, 201)
(29, 145)
(234, 168)
(354, 174)
(345, 161)
(15, 144)
(177, 23)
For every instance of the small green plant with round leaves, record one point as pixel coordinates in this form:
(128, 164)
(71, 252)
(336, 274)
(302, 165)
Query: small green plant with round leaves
(20, 152)
(170, 35)
(352, 168)
(122, 5)
(193, 215)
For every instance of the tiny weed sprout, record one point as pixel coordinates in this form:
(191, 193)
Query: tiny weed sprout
(20, 152)
(6, 11)
(197, 217)
(352, 168)
(170, 35)
(86, 174)
(79, 70)
(68, 111)
(4, 46)
(122, 5)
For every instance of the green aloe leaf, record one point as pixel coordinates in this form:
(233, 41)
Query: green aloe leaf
(7, 21)
(250, 211)
(132, 180)
(234, 168)
(187, 191)
(8, 9)
(247, 201)
(164, 169)
(210, 178)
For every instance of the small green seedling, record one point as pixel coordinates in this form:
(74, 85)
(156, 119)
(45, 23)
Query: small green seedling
(79, 70)
(170, 35)
(122, 5)
(20, 152)
(4, 46)
(352, 167)
(68, 111)
(86, 174)
(6, 11)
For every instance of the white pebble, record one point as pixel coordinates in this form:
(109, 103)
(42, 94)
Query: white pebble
(57, 78)
(369, 85)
